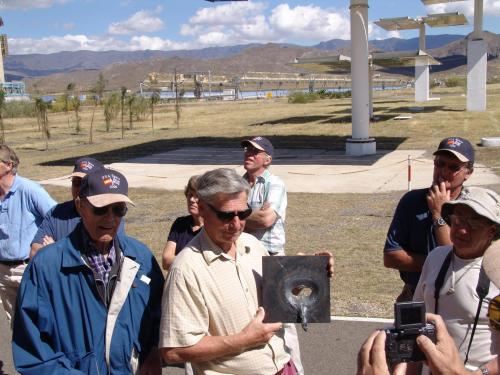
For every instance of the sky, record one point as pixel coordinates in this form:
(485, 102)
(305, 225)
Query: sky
(47, 26)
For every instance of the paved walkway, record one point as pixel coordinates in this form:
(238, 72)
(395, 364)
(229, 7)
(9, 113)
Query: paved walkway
(302, 170)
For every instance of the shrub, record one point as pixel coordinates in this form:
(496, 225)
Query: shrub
(455, 82)
(19, 109)
(302, 97)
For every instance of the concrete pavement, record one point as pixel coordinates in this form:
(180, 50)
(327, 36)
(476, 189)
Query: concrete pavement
(302, 170)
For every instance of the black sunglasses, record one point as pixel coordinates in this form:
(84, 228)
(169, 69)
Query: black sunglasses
(227, 216)
(494, 313)
(453, 168)
(118, 209)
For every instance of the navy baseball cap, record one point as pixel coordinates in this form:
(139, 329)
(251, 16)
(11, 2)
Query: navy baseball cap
(460, 147)
(260, 143)
(103, 187)
(85, 165)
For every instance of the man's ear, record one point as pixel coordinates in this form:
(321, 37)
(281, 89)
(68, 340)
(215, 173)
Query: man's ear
(268, 161)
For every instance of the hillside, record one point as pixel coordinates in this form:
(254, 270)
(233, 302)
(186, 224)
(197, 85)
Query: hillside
(235, 61)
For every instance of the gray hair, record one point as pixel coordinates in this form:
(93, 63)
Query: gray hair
(221, 181)
(8, 155)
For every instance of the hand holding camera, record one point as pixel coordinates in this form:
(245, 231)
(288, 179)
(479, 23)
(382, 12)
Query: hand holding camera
(409, 323)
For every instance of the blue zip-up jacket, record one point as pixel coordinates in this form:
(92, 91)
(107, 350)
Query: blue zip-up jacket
(61, 324)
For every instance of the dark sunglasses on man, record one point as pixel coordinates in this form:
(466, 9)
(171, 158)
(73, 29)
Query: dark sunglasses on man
(118, 209)
(227, 216)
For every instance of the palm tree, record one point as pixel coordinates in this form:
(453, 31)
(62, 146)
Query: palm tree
(2, 106)
(124, 93)
(111, 108)
(155, 98)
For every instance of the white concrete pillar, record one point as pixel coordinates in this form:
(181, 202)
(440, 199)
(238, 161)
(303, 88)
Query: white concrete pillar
(476, 75)
(421, 69)
(360, 143)
(371, 88)
(421, 36)
(2, 74)
(478, 19)
(421, 79)
(477, 63)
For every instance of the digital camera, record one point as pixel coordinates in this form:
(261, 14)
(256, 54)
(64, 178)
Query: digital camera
(409, 323)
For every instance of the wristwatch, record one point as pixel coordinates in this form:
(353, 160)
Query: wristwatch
(484, 371)
(439, 222)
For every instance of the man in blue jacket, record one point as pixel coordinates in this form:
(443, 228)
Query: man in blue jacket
(90, 303)
(63, 217)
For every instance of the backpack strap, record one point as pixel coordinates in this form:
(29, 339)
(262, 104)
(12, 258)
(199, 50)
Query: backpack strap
(482, 289)
(438, 284)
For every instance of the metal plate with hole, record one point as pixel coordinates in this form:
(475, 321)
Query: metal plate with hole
(296, 289)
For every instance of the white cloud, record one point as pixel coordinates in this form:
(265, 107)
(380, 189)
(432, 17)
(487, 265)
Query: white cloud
(245, 22)
(144, 21)
(19, 46)
(490, 8)
(28, 4)
(309, 22)
(227, 14)
(376, 32)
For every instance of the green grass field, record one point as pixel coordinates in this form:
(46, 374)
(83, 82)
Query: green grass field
(352, 226)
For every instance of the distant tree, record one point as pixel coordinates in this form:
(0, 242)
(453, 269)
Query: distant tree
(111, 108)
(76, 107)
(177, 101)
(99, 87)
(130, 105)
(41, 110)
(95, 99)
(69, 92)
(124, 93)
(155, 98)
(2, 107)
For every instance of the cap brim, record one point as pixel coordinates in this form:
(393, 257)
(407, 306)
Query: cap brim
(78, 174)
(478, 209)
(102, 200)
(491, 262)
(248, 142)
(458, 155)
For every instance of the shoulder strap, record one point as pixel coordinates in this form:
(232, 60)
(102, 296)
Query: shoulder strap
(438, 284)
(482, 289)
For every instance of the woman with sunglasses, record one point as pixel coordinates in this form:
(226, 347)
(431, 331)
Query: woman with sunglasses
(453, 283)
(184, 228)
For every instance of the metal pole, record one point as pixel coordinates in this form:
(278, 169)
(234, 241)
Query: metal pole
(478, 19)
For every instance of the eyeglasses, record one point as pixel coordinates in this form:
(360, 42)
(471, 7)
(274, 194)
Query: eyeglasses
(118, 209)
(227, 216)
(252, 150)
(453, 168)
(494, 313)
(474, 223)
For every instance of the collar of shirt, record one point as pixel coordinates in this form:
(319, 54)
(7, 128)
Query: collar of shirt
(100, 264)
(211, 251)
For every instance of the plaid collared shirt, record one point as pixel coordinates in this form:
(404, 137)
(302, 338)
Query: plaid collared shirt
(269, 188)
(100, 264)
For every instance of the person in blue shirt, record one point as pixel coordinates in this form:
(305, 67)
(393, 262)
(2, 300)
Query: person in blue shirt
(23, 204)
(63, 218)
(90, 303)
(417, 226)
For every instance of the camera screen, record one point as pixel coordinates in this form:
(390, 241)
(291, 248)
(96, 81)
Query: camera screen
(411, 315)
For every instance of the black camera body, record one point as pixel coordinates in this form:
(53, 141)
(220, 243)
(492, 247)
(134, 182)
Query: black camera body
(409, 323)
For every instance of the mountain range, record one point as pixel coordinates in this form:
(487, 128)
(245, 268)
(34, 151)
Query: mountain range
(52, 72)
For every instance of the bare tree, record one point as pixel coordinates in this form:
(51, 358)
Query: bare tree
(76, 108)
(124, 93)
(98, 91)
(111, 108)
(130, 105)
(41, 110)
(69, 91)
(155, 98)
